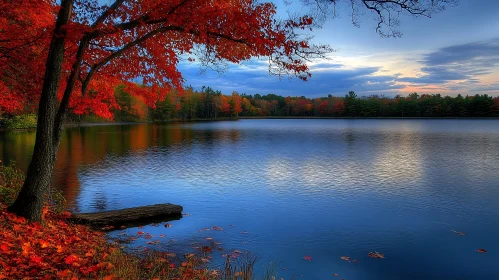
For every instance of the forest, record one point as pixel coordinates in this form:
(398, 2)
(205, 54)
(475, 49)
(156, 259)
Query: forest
(190, 104)
(208, 103)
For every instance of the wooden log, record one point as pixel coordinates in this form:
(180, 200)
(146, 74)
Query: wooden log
(135, 216)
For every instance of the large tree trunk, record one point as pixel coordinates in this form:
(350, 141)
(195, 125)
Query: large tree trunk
(29, 203)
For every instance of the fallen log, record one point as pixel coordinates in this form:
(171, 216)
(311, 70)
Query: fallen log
(135, 216)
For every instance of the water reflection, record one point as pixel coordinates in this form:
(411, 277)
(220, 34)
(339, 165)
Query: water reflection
(323, 188)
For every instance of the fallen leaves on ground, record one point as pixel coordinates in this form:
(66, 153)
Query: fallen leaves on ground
(51, 249)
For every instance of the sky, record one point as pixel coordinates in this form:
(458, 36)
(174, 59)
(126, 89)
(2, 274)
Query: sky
(454, 52)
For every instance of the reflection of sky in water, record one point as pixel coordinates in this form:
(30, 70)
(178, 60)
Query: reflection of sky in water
(323, 188)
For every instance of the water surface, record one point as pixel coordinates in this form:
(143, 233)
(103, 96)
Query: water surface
(285, 189)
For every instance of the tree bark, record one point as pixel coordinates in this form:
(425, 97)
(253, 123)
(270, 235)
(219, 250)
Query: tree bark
(29, 202)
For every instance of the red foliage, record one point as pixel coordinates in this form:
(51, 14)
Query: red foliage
(23, 47)
(53, 249)
(139, 40)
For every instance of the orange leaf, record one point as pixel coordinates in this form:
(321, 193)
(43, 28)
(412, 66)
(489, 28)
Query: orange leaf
(64, 273)
(26, 248)
(44, 244)
(376, 255)
(109, 277)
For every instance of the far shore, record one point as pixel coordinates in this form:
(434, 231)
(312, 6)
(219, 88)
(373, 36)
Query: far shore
(89, 124)
(368, 118)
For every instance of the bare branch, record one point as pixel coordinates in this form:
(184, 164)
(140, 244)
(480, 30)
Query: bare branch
(386, 12)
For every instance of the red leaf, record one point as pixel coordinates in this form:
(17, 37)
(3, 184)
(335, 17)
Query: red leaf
(308, 258)
(4, 248)
(35, 259)
(71, 259)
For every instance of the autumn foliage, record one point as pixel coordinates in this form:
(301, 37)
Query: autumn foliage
(138, 39)
(52, 249)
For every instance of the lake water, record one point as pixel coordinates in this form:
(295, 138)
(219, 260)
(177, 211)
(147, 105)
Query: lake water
(285, 189)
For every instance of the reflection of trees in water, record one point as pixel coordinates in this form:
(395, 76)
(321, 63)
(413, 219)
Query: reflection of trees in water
(100, 201)
(89, 145)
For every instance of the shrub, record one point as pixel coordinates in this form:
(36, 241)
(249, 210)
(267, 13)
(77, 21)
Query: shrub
(11, 181)
(21, 122)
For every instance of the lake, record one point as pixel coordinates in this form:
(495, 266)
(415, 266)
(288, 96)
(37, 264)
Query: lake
(285, 189)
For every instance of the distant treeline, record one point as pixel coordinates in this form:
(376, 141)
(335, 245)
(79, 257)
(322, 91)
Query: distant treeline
(211, 104)
(208, 103)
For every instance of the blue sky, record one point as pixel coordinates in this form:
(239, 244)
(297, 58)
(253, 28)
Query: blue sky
(456, 51)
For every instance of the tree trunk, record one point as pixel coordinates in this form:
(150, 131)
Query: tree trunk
(29, 203)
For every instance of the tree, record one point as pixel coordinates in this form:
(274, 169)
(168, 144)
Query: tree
(127, 40)
(386, 13)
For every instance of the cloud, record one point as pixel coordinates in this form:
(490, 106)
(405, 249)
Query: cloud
(327, 78)
(460, 63)
(465, 68)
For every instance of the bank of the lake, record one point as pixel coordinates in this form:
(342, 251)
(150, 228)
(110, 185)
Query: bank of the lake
(28, 122)
(362, 118)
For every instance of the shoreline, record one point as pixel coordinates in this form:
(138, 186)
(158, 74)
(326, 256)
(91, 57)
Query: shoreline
(91, 124)
(366, 118)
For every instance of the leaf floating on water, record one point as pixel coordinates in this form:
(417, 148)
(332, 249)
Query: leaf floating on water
(345, 258)
(459, 232)
(307, 258)
(167, 225)
(336, 274)
(218, 228)
(355, 261)
(106, 228)
(170, 255)
(209, 238)
(376, 255)
(185, 214)
(481, 251)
